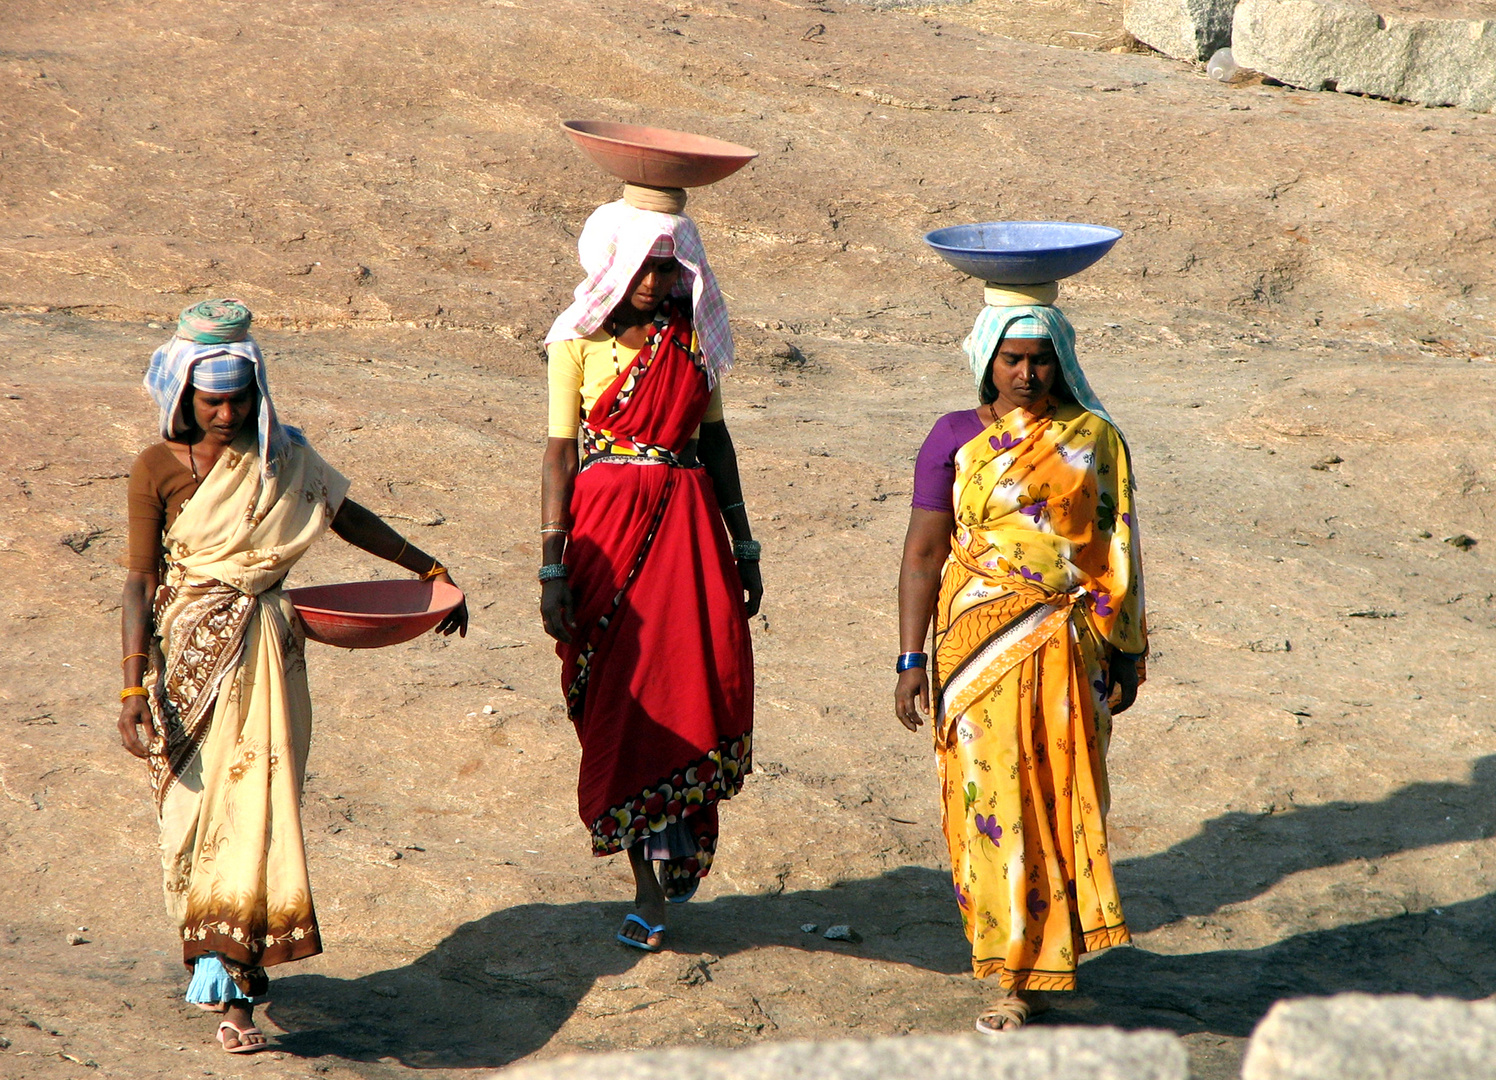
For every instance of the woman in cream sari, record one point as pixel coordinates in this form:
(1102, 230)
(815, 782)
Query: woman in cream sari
(215, 696)
(1022, 547)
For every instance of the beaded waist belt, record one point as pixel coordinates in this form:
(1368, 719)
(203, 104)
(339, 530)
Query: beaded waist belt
(600, 447)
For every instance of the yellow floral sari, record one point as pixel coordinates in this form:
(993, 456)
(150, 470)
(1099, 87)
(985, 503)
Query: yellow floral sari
(228, 694)
(1044, 575)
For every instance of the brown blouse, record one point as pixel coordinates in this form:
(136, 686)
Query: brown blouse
(159, 485)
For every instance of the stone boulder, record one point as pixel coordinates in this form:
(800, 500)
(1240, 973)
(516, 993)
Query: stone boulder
(1365, 1037)
(1347, 45)
(1054, 1053)
(1183, 29)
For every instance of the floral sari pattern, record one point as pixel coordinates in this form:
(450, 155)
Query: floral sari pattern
(1043, 581)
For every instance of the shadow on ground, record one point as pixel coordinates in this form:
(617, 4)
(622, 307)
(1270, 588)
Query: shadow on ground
(1238, 856)
(501, 987)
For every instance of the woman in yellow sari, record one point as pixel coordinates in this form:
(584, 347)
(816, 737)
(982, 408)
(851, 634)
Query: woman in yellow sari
(215, 696)
(1022, 547)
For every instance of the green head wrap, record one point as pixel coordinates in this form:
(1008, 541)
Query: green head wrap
(214, 322)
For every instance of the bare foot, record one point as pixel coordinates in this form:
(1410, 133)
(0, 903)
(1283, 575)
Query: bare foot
(237, 1032)
(649, 900)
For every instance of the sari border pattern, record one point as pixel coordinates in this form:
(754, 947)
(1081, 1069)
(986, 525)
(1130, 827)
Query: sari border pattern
(715, 776)
(207, 626)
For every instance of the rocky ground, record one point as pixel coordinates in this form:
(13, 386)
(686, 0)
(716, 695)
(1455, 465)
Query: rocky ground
(1296, 334)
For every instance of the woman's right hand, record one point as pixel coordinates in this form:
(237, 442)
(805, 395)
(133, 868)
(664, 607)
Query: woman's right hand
(134, 714)
(556, 609)
(913, 689)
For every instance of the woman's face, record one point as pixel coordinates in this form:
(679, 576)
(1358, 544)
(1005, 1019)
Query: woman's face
(220, 416)
(1023, 372)
(653, 283)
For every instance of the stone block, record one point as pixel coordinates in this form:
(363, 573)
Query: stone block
(1347, 45)
(1183, 29)
(1055, 1053)
(1367, 1037)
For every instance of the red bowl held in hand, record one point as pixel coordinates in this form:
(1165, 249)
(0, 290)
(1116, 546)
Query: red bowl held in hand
(372, 614)
(657, 157)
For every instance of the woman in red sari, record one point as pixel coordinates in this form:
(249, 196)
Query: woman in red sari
(642, 588)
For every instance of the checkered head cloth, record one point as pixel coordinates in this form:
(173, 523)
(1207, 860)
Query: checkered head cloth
(615, 242)
(224, 367)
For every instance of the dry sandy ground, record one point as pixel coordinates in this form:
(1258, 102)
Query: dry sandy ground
(1296, 335)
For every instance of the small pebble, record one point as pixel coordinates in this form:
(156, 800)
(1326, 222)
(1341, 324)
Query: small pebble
(808, 928)
(841, 933)
(77, 939)
(396, 855)
(386, 991)
(154, 325)
(488, 710)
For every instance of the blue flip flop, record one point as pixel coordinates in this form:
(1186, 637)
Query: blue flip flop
(685, 896)
(651, 931)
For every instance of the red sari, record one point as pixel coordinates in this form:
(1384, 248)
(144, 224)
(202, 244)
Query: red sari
(659, 672)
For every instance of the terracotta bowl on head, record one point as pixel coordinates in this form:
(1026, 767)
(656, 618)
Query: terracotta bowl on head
(372, 614)
(657, 157)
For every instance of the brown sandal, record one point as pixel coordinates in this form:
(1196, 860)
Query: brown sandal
(1012, 1011)
(1006, 1014)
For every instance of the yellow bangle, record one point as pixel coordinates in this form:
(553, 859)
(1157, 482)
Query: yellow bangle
(132, 656)
(437, 570)
(133, 691)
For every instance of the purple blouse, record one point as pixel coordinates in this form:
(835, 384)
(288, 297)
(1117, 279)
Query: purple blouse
(935, 468)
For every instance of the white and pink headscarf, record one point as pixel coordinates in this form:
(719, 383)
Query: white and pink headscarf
(614, 244)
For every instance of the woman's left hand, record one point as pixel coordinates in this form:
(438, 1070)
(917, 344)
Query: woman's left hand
(458, 620)
(753, 585)
(1122, 682)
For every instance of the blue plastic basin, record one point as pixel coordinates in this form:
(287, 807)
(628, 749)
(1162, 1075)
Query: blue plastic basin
(1022, 252)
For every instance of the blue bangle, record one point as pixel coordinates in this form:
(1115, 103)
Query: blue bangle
(911, 660)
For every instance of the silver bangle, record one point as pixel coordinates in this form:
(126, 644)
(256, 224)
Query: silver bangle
(553, 571)
(747, 550)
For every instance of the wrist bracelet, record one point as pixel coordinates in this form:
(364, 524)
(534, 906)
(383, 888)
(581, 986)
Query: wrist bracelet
(732, 506)
(133, 691)
(437, 570)
(911, 660)
(747, 550)
(132, 656)
(555, 571)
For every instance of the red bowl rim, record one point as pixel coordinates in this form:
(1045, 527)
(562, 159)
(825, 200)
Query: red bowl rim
(714, 148)
(346, 614)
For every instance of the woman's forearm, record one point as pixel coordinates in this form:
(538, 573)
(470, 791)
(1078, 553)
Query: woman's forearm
(136, 625)
(720, 459)
(926, 545)
(558, 476)
(364, 529)
(919, 586)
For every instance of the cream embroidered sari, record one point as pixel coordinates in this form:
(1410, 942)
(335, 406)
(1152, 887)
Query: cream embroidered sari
(229, 698)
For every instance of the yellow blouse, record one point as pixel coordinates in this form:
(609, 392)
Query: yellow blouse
(579, 370)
